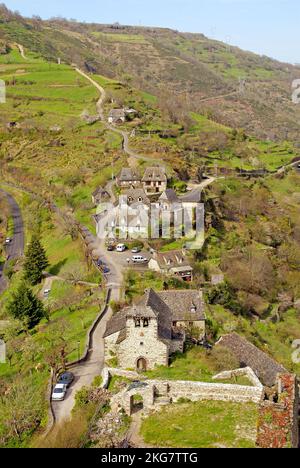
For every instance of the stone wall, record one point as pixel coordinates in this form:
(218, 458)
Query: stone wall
(246, 371)
(110, 346)
(142, 343)
(278, 425)
(173, 390)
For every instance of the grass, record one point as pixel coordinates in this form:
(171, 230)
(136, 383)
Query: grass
(122, 38)
(194, 365)
(79, 321)
(202, 425)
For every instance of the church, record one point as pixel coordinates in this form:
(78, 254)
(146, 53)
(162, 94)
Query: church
(146, 334)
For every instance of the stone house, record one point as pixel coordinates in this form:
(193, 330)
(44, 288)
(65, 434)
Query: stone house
(172, 263)
(191, 199)
(130, 219)
(117, 116)
(129, 178)
(168, 199)
(99, 195)
(148, 333)
(136, 196)
(154, 180)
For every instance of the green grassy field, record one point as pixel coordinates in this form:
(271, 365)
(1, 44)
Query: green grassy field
(202, 425)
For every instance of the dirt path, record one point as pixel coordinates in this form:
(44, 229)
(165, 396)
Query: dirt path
(133, 156)
(101, 90)
(133, 435)
(22, 51)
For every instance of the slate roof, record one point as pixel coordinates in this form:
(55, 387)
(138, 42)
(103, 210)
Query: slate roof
(116, 323)
(100, 191)
(137, 196)
(182, 302)
(195, 196)
(117, 114)
(265, 367)
(167, 307)
(172, 259)
(127, 175)
(170, 196)
(155, 174)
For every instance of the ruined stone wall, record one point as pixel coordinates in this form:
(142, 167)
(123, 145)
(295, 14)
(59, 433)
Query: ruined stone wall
(246, 371)
(142, 343)
(278, 425)
(196, 391)
(174, 390)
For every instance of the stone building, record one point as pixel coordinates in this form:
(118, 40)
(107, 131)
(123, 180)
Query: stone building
(174, 263)
(100, 195)
(129, 178)
(146, 334)
(117, 116)
(154, 180)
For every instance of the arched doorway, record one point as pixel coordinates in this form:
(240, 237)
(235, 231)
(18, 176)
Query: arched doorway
(141, 365)
(136, 403)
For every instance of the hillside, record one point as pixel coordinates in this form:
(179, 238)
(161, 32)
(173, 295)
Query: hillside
(56, 148)
(206, 74)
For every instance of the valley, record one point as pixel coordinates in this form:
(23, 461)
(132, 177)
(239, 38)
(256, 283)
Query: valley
(59, 150)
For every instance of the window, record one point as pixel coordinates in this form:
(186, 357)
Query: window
(137, 323)
(146, 323)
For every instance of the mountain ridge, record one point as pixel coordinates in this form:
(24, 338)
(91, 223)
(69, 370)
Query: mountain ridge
(233, 87)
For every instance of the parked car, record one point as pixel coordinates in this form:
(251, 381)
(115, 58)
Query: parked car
(110, 248)
(136, 250)
(121, 248)
(106, 270)
(8, 240)
(59, 392)
(66, 379)
(47, 292)
(139, 259)
(100, 263)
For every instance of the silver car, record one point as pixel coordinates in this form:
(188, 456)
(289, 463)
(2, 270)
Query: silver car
(59, 392)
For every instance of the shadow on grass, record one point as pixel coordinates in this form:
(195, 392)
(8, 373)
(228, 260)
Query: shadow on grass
(55, 269)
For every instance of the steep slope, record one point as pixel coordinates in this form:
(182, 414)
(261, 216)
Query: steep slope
(237, 88)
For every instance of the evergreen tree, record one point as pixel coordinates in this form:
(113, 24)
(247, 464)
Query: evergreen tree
(26, 307)
(36, 261)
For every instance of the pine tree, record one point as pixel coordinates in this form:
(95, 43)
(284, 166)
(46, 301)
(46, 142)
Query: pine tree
(26, 307)
(36, 261)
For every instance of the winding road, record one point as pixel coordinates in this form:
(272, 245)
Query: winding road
(125, 145)
(15, 249)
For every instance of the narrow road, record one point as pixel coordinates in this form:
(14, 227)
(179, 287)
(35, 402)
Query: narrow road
(16, 248)
(132, 154)
(86, 372)
(101, 90)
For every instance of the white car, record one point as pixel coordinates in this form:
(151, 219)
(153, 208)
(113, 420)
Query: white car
(8, 240)
(47, 292)
(121, 248)
(139, 259)
(59, 392)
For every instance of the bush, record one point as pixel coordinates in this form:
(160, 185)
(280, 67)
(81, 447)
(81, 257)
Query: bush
(224, 295)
